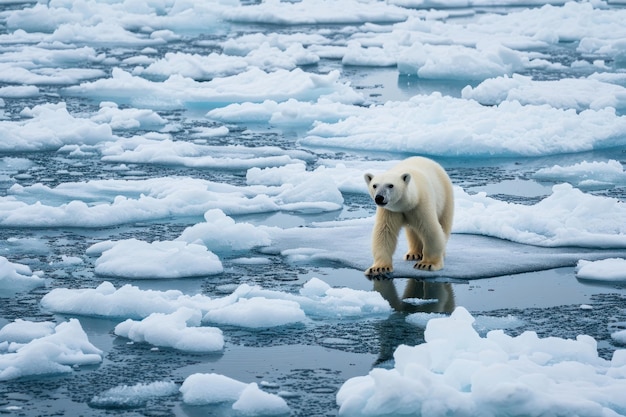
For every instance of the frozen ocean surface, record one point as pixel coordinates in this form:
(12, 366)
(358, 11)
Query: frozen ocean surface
(184, 223)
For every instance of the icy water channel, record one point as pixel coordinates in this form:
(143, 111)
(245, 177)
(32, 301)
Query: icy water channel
(304, 363)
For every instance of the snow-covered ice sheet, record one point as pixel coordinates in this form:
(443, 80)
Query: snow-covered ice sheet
(467, 256)
(459, 372)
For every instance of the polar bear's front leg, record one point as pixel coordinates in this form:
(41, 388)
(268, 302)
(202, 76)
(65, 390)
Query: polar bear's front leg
(384, 241)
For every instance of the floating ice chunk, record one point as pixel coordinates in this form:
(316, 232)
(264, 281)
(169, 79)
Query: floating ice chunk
(19, 91)
(612, 269)
(133, 258)
(209, 132)
(313, 12)
(568, 217)
(202, 389)
(105, 33)
(257, 260)
(619, 336)
(111, 202)
(179, 330)
(23, 331)
(213, 389)
(207, 67)
(319, 300)
(457, 127)
(240, 308)
(288, 113)
(169, 152)
(299, 191)
(221, 233)
(17, 277)
(567, 93)
(125, 396)
(270, 58)
(355, 54)
(53, 353)
(248, 42)
(125, 302)
(50, 126)
(127, 119)
(459, 372)
(458, 62)
(198, 67)
(251, 85)
(586, 174)
(347, 176)
(256, 402)
(12, 73)
(257, 312)
(30, 56)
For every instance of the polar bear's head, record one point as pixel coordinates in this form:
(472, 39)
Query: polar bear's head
(388, 189)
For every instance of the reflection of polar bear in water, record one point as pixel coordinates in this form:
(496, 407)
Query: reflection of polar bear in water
(417, 194)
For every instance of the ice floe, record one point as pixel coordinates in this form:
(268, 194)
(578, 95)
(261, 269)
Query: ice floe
(137, 259)
(99, 203)
(179, 330)
(455, 127)
(568, 93)
(168, 152)
(252, 85)
(607, 270)
(248, 399)
(240, 308)
(40, 130)
(586, 174)
(47, 352)
(18, 277)
(456, 371)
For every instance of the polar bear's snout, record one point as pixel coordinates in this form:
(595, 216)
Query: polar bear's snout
(380, 199)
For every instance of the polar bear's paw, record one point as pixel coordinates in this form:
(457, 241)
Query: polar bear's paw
(413, 256)
(429, 266)
(378, 271)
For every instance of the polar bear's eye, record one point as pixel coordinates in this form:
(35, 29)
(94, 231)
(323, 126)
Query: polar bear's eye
(390, 186)
(374, 186)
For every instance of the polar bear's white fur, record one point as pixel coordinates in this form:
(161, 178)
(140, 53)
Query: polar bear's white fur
(416, 194)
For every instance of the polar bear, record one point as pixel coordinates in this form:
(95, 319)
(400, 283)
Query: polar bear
(417, 194)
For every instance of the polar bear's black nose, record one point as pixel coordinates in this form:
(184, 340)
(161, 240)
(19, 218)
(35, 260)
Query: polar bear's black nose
(379, 199)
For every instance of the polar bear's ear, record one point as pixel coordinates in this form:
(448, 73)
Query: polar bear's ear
(406, 178)
(368, 178)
